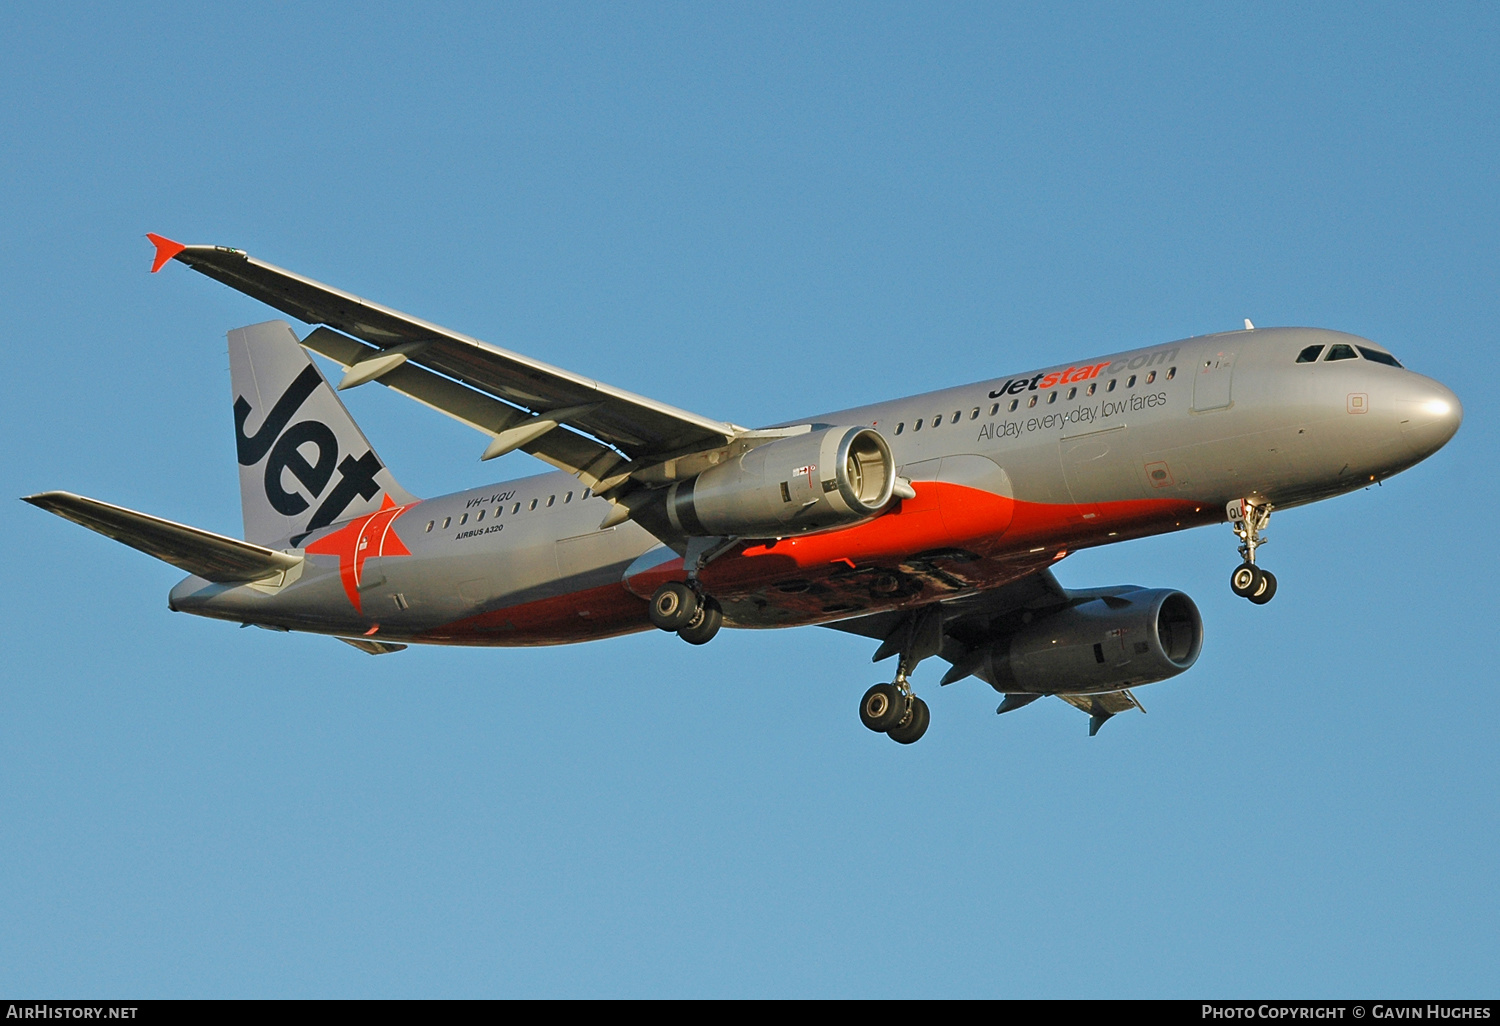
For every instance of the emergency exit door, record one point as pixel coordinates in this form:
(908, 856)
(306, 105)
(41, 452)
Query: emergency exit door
(1213, 387)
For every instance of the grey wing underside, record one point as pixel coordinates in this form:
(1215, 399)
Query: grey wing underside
(624, 428)
(958, 629)
(967, 620)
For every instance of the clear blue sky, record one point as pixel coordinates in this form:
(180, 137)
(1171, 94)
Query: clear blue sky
(755, 212)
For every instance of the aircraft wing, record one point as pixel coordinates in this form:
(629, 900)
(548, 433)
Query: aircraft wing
(578, 454)
(958, 630)
(641, 429)
(213, 557)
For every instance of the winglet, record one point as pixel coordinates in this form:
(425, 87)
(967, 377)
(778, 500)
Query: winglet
(166, 249)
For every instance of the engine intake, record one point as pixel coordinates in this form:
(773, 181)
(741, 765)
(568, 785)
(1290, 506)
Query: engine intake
(832, 477)
(1103, 644)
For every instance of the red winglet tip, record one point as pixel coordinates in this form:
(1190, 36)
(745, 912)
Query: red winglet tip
(166, 249)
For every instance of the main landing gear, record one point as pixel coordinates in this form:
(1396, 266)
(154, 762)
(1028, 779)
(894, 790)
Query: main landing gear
(693, 617)
(893, 710)
(682, 608)
(1249, 581)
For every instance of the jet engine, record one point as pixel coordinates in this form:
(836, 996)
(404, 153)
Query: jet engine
(1102, 643)
(830, 477)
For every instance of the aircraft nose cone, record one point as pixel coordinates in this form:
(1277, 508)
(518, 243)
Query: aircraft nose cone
(1430, 415)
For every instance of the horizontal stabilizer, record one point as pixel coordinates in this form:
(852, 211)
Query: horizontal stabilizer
(210, 556)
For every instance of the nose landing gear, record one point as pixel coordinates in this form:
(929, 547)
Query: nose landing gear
(1249, 518)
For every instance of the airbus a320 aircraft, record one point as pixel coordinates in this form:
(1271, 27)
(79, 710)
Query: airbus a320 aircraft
(928, 524)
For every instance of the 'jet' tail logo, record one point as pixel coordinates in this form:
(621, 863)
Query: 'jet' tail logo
(286, 448)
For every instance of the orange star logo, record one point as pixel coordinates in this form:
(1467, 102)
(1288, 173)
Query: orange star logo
(357, 541)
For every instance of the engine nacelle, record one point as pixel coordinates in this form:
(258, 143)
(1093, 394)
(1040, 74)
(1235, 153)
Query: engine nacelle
(831, 477)
(1103, 644)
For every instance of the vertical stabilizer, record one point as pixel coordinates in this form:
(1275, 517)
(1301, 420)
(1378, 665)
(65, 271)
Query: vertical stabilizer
(304, 463)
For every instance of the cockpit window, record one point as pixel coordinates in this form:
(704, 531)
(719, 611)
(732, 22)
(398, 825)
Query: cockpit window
(1340, 352)
(1379, 357)
(1309, 355)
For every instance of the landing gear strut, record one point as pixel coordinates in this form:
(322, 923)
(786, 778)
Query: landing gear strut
(681, 610)
(1249, 518)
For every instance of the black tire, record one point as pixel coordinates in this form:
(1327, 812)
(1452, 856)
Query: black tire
(1246, 579)
(704, 625)
(882, 708)
(673, 606)
(1267, 589)
(912, 730)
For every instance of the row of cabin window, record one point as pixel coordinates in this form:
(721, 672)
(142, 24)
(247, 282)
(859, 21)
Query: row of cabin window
(1051, 398)
(515, 508)
(1346, 352)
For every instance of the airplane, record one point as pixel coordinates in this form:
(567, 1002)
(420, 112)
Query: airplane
(928, 524)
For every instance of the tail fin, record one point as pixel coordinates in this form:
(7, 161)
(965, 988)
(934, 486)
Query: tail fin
(304, 463)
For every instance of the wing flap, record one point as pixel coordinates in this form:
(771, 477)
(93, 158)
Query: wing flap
(213, 557)
(561, 448)
(634, 424)
(372, 647)
(1110, 702)
(1102, 707)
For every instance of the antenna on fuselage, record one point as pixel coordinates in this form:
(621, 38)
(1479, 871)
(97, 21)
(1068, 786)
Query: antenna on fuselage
(1248, 325)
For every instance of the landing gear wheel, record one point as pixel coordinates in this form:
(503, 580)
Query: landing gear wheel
(1267, 589)
(1246, 580)
(704, 624)
(882, 708)
(915, 725)
(673, 606)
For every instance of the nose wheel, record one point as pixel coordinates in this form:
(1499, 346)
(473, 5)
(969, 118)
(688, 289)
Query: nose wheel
(1251, 582)
(1249, 518)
